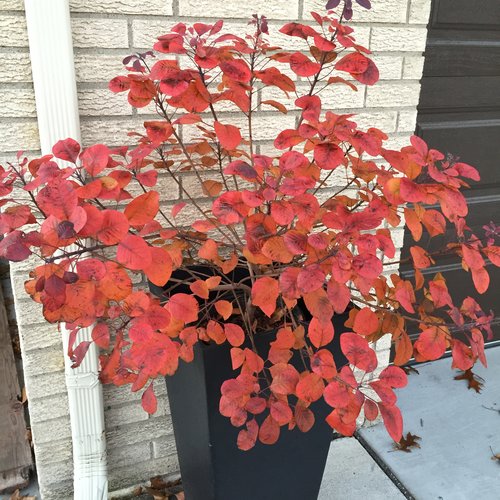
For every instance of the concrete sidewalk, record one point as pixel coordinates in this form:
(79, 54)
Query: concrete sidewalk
(460, 431)
(352, 474)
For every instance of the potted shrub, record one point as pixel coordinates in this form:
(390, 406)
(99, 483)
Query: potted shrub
(267, 300)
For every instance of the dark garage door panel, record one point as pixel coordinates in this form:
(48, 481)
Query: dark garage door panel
(459, 113)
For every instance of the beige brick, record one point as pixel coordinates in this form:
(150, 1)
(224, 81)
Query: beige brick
(397, 142)
(164, 447)
(389, 66)
(153, 7)
(54, 451)
(419, 11)
(106, 33)
(398, 39)
(15, 68)
(125, 414)
(110, 132)
(413, 67)
(98, 68)
(48, 408)
(382, 11)
(13, 31)
(17, 103)
(153, 428)
(166, 186)
(277, 9)
(49, 360)
(130, 476)
(128, 455)
(102, 102)
(384, 120)
(15, 136)
(44, 432)
(391, 95)
(46, 383)
(407, 120)
(11, 5)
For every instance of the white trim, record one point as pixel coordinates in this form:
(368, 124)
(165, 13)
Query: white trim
(51, 52)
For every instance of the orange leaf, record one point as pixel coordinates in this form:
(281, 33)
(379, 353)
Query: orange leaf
(320, 334)
(134, 253)
(183, 307)
(365, 322)
(224, 308)
(265, 292)
(269, 431)
(229, 136)
(234, 334)
(160, 269)
(142, 209)
(304, 418)
(310, 388)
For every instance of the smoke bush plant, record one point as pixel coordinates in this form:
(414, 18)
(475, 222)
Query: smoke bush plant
(266, 217)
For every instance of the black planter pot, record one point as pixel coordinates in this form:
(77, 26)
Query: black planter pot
(212, 466)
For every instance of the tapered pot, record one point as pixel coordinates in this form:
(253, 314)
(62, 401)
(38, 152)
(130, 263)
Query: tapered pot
(212, 466)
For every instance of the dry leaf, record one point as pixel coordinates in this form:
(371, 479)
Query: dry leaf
(473, 381)
(407, 443)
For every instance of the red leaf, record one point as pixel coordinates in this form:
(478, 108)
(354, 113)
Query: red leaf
(100, 335)
(79, 353)
(323, 364)
(281, 412)
(393, 421)
(248, 437)
(158, 131)
(229, 136)
(337, 394)
(183, 307)
(339, 296)
(66, 149)
(285, 378)
(301, 65)
(463, 357)
(320, 334)
(358, 352)
(304, 418)
(335, 421)
(237, 70)
(177, 208)
(119, 84)
(269, 431)
(328, 155)
(142, 209)
(310, 388)
(113, 228)
(234, 334)
(148, 400)
(371, 410)
(481, 279)
(134, 253)
(265, 292)
(95, 159)
(431, 343)
(394, 376)
(439, 293)
(365, 322)
(359, 67)
(287, 139)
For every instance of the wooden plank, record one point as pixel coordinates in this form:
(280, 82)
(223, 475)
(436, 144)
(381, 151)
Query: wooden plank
(15, 451)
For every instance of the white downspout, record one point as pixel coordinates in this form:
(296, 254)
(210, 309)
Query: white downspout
(51, 52)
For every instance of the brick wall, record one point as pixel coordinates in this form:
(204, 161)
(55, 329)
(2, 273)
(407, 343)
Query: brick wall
(104, 31)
